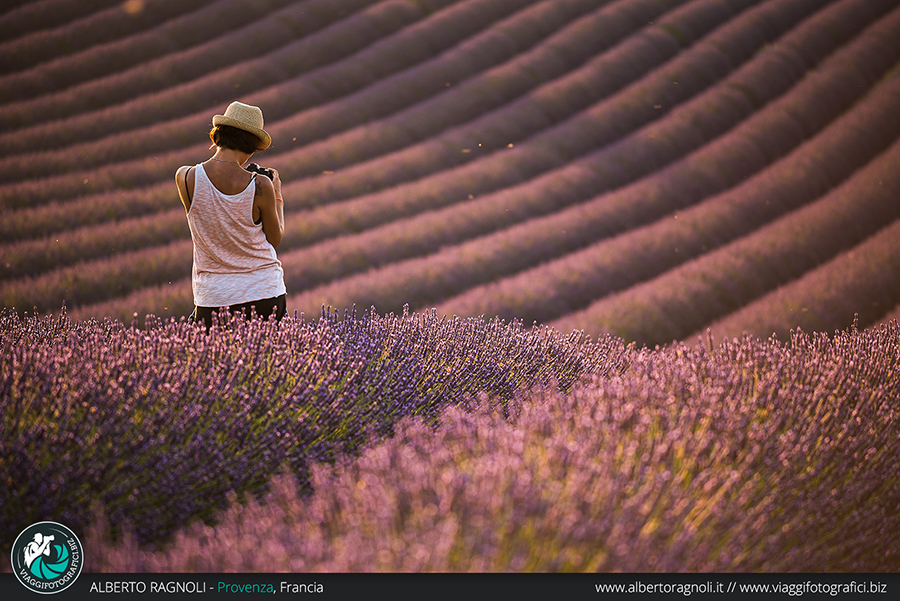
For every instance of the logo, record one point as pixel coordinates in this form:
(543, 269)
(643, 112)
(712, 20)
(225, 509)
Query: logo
(47, 557)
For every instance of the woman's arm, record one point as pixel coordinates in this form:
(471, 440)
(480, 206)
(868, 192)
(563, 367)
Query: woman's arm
(184, 180)
(271, 207)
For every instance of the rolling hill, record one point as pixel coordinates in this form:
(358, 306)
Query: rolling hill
(645, 168)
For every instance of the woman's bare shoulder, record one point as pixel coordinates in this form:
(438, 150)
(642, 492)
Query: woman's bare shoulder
(184, 181)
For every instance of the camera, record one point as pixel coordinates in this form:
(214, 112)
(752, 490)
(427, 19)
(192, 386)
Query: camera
(262, 170)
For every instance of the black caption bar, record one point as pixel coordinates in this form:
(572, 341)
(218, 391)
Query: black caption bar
(472, 587)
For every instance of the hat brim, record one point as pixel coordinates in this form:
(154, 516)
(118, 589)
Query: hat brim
(259, 133)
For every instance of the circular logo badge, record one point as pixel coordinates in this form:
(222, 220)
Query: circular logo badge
(47, 557)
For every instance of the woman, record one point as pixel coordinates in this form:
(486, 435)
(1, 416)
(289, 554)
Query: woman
(237, 221)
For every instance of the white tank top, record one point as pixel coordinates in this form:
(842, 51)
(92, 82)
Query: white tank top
(233, 261)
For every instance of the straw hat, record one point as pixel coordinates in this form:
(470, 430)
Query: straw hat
(245, 117)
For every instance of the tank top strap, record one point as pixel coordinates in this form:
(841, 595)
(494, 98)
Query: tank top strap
(202, 183)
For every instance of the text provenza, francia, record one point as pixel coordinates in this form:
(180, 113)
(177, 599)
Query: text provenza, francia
(285, 587)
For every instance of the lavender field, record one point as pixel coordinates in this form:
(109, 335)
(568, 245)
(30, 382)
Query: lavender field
(414, 443)
(579, 163)
(695, 202)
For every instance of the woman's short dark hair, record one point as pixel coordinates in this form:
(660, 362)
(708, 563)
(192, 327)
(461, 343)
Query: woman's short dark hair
(226, 136)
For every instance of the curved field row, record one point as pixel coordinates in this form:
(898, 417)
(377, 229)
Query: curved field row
(322, 85)
(427, 279)
(892, 316)
(43, 220)
(203, 90)
(206, 22)
(65, 248)
(468, 57)
(170, 299)
(101, 26)
(848, 133)
(686, 298)
(567, 284)
(100, 279)
(322, 76)
(25, 17)
(852, 286)
(698, 110)
(554, 161)
(556, 123)
(328, 266)
(602, 120)
(147, 171)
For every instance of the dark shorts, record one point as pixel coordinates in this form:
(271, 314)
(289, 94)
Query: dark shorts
(277, 305)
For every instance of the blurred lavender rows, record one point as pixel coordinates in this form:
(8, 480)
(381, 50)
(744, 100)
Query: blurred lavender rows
(749, 455)
(156, 424)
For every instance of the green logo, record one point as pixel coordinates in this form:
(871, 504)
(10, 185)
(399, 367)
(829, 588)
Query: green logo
(47, 557)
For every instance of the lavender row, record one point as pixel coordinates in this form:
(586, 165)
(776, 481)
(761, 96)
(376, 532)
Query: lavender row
(98, 280)
(79, 60)
(892, 315)
(158, 424)
(177, 33)
(170, 299)
(26, 18)
(102, 25)
(482, 50)
(296, 74)
(687, 298)
(859, 283)
(486, 259)
(174, 97)
(430, 277)
(423, 80)
(572, 282)
(338, 257)
(43, 219)
(29, 222)
(437, 178)
(87, 210)
(49, 217)
(752, 456)
(35, 256)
